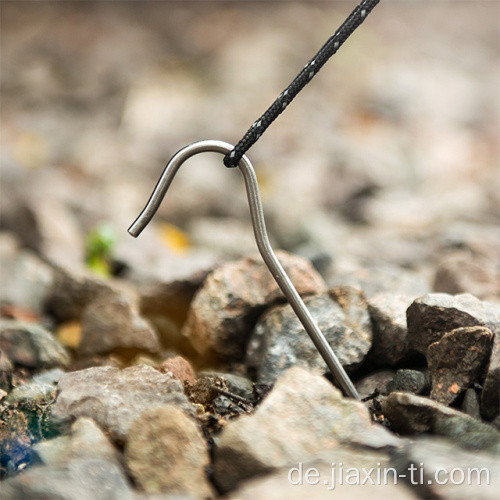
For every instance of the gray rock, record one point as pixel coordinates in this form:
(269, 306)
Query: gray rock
(32, 220)
(436, 468)
(390, 335)
(6, 369)
(224, 310)
(490, 396)
(166, 451)
(303, 416)
(470, 404)
(376, 381)
(320, 479)
(86, 441)
(467, 272)
(408, 381)
(42, 387)
(280, 341)
(431, 316)
(384, 279)
(115, 398)
(75, 480)
(113, 322)
(459, 360)
(73, 290)
(237, 384)
(26, 280)
(30, 345)
(411, 414)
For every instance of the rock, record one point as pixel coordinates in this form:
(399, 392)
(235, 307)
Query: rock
(48, 227)
(408, 381)
(374, 382)
(431, 316)
(236, 384)
(384, 279)
(180, 369)
(6, 369)
(166, 451)
(323, 479)
(41, 388)
(115, 398)
(204, 390)
(390, 335)
(86, 441)
(411, 414)
(166, 302)
(111, 323)
(470, 404)
(490, 395)
(436, 468)
(280, 341)
(466, 272)
(77, 479)
(72, 291)
(224, 310)
(458, 361)
(30, 345)
(302, 416)
(26, 280)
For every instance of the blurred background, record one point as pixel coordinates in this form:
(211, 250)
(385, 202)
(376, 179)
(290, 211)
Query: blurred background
(389, 157)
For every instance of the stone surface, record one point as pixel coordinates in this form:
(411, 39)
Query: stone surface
(180, 368)
(467, 272)
(166, 451)
(237, 384)
(431, 316)
(409, 381)
(30, 345)
(301, 417)
(411, 414)
(75, 480)
(384, 279)
(490, 395)
(112, 323)
(376, 381)
(294, 482)
(457, 361)
(470, 404)
(443, 470)
(224, 310)
(390, 335)
(280, 341)
(41, 387)
(86, 441)
(48, 227)
(115, 398)
(72, 291)
(26, 280)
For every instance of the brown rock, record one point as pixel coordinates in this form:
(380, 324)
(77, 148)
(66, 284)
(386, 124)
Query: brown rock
(180, 369)
(226, 308)
(301, 417)
(411, 414)
(115, 398)
(431, 316)
(457, 361)
(112, 322)
(390, 335)
(166, 452)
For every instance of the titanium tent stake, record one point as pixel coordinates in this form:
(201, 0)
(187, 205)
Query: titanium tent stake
(263, 244)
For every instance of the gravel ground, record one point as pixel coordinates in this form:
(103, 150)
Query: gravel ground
(171, 367)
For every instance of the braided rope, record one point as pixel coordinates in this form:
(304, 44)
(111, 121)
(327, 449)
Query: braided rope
(357, 16)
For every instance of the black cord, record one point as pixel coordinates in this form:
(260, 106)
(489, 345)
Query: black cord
(357, 16)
